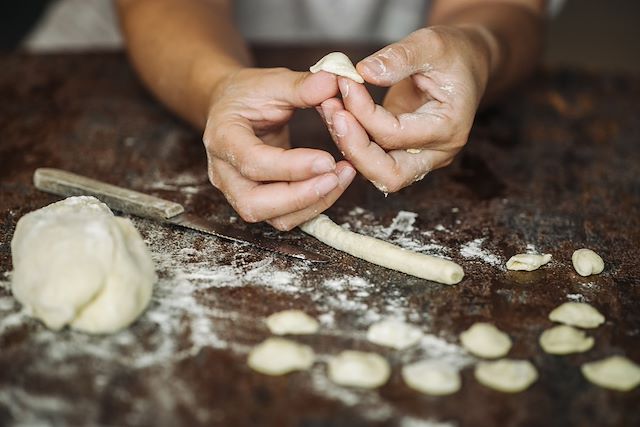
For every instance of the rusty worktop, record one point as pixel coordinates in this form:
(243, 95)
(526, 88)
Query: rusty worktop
(554, 167)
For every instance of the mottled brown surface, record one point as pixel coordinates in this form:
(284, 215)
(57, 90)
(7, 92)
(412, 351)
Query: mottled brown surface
(556, 165)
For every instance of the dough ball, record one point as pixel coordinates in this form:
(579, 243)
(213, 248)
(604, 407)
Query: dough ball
(506, 375)
(615, 372)
(485, 340)
(587, 262)
(577, 314)
(279, 356)
(359, 369)
(77, 264)
(337, 63)
(292, 322)
(527, 262)
(563, 339)
(432, 377)
(394, 333)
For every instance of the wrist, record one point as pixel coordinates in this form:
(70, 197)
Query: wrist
(487, 52)
(206, 79)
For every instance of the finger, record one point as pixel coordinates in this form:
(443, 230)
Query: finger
(429, 123)
(388, 171)
(328, 108)
(415, 53)
(256, 202)
(345, 172)
(236, 143)
(304, 89)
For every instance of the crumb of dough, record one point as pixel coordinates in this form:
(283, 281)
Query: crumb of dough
(578, 314)
(292, 322)
(615, 372)
(394, 333)
(527, 262)
(485, 340)
(359, 369)
(432, 377)
(564, 339)
(586, 262)
(506, 375)
(414, 150)
(339, 64)
(279, 356)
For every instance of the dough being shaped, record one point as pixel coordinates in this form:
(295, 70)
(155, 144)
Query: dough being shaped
(292, 322)
(432, 377)
(485, 340)
(359, 369)
(563, 339)
(527, 262)
(279, 356)
(77, 264)
(506, 375)
(394, 333)
(337, 63)
(577, 314)
(615, 372)
(383, 253)
(587, 262)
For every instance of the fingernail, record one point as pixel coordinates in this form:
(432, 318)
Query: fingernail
(346, 175)
(374, 66)
(326, 185)
(323, 165)
(343, 84)
(340, 125)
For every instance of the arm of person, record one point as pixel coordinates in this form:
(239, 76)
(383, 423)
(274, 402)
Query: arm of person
(438, 75)
(191, 57)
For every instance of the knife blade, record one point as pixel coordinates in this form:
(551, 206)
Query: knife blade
(67, 184)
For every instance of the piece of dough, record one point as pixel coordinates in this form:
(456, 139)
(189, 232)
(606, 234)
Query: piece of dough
(414, 150)
(383, 253)
(527, 262)
(578, 314)
(506, 375)
(279, 356)
(564, 339)
(485, 340)
(587, 262)
(615, 372)
(77, 264)
(359, 369)
(337, 63)
(432, 377)
(394, 333)
(292, 322)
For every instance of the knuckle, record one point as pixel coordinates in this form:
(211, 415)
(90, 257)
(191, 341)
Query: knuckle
(246, 211)
(282, 225)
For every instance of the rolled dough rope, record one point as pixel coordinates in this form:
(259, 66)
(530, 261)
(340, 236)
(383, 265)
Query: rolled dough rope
(383, 253)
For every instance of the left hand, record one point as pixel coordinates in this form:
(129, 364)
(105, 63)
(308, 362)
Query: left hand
(437, 77)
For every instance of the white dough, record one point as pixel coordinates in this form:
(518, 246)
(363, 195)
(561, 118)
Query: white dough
(394, 333)
(292, 322)
(337, 63)
(527, 262)
(577, 314)
(279, 356)
(615, 372)
(587, 262)
(383, 253)
(506, 375)
(414, 150)
(359, 369)
(485, 340)
(564, 339)
(432, 377)
(77, 264)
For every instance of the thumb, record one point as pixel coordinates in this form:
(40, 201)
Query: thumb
(305, 89)
(397, 61)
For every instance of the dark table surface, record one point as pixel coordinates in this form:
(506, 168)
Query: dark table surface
(553, 168)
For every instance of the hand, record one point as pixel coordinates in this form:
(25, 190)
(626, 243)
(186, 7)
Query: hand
(248, 150)
(437, 77)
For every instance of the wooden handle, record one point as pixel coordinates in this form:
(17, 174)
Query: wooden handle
(66, 184)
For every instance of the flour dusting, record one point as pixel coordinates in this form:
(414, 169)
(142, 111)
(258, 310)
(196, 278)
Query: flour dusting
(473, 250)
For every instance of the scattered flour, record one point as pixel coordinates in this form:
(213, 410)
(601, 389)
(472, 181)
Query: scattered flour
(473, 250)
(576, 297)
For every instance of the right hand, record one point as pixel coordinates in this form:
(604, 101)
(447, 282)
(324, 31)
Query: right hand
(249, 156)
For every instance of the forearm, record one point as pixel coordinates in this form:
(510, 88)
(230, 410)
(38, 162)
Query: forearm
(182, 49)
(509, 33)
